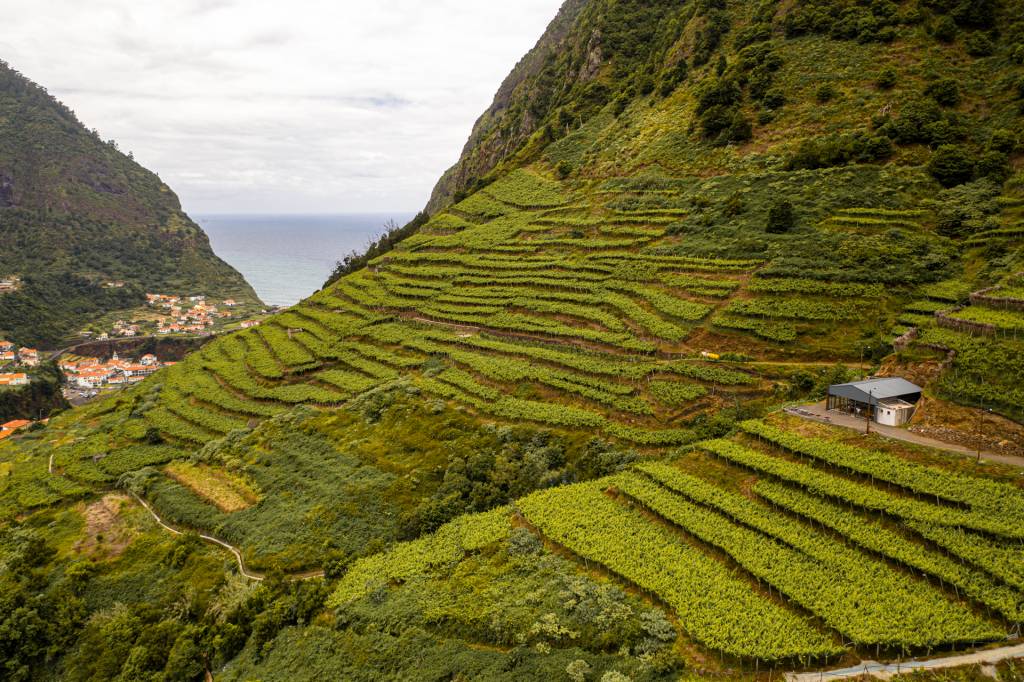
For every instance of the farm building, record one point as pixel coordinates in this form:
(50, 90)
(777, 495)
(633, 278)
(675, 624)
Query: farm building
(889, 401)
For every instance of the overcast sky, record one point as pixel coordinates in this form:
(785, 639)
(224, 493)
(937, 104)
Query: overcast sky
(284, 106)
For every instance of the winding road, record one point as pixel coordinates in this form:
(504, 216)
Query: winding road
(886, 670)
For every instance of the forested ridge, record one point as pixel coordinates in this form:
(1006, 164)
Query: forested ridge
(77, 213)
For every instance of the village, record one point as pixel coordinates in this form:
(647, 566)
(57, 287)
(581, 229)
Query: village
(173, 314)
(11, 358)
(87, 375)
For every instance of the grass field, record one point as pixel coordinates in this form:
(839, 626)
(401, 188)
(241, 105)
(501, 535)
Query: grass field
(227, 492)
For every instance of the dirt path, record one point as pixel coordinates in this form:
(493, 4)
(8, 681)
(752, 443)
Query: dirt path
(308, 575)
(818, 413)
(886, 670)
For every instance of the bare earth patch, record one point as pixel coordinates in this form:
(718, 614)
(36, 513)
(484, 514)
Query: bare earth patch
(226, 491)
(106, 529)
(969, 427)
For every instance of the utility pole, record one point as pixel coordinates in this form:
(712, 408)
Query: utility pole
(867, 425)
(981, 421)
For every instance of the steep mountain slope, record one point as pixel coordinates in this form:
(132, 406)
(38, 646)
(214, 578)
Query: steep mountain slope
(505, 442)
(75, 213)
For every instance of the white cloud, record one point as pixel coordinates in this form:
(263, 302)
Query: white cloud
(302, 106)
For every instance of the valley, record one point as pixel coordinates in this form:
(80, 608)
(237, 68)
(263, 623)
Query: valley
(554, 427)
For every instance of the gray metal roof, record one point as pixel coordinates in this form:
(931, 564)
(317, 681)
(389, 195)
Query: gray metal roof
(873, 390)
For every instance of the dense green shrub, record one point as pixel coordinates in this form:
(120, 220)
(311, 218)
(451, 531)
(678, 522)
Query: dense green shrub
(673, 77)
(966, 209)
(994, 165)
(922, 121)
(754, 33)
(523, 461)
(774, 99)
(969, 13)
(887, 78)
(839, 150)
(825, 93)
(721, 120)
(946, 92)
(945, 30)
(781, 217)
(951, 165)
(979, 45)
(844, 20)
(1003, 140)
(709, 36)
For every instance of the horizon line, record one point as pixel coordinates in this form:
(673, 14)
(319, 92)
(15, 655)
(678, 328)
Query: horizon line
(311, 213)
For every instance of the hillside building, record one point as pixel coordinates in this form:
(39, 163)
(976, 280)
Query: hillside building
(10, 427)
(888, 401)
(28, 357)
(14, 379)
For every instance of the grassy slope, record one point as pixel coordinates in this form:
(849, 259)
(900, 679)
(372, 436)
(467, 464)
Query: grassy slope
(571, 297)
(75, 212)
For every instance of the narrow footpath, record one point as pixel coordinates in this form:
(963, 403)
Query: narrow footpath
(309, 575)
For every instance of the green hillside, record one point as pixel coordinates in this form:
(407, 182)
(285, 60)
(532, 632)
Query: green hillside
(76, 213)
(539, 437)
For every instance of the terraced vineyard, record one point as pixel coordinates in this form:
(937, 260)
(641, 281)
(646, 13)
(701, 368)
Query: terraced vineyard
(527, 303)
(983, 333)
(538, 309)
(800, 565)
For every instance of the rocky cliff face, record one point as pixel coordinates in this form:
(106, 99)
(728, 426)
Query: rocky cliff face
(512, 118)
(594, 52)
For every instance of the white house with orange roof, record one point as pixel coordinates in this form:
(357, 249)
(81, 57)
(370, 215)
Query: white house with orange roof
(14, 379)
(28, 357)
(10, 427)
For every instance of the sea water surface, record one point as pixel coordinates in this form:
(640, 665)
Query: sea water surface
(287, 257)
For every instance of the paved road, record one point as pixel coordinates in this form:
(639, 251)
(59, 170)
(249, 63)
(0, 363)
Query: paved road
(818, 413)
(886, 670)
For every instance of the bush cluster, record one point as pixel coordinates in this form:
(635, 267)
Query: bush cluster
(945, 92)
(922, 121)
(719, 114)
(719, 100)
(874, 22)
(715, 25)
(966, 209)
(781, 217)
(525, 461)
(839, 150)
(356, 261)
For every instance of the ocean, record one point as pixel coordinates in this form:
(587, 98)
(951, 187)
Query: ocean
(287, 257)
